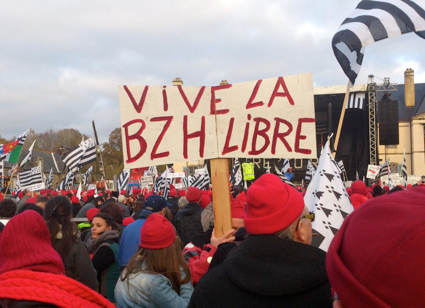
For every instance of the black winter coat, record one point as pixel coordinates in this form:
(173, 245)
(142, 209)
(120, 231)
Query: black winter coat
(266, 271)
(188, 222)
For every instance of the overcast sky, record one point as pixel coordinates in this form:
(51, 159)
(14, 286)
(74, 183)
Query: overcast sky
(61, 61)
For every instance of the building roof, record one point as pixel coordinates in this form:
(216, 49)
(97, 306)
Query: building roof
(47, 158)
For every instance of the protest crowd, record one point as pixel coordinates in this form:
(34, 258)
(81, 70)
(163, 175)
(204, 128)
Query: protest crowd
(143, 250)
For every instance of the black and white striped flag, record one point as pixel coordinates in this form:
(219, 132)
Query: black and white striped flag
(30, 177)
(185, 182)
(282, 177)
(161, 182)
(285, 166)
(152, 171)
(89, 152)
(67, 181)
(1, 173)
(49, 179)
(390, 178)
(86, 175)
(202, 181)
(370, 22)
(73, 156)
(236, 177)
(309, 173)
(123, 180)
(342, 168)
(404, 169)
(356, 100)
(383, 170)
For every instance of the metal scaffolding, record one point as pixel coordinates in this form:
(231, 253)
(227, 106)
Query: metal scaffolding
(373, 149)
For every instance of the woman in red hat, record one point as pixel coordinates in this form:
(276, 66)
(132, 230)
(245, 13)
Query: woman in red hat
(157, 275)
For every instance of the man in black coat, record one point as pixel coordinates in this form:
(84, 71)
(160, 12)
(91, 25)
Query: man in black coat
(188, 220)
(275, 266)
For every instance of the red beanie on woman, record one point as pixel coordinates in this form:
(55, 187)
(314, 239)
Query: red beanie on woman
(157, 232)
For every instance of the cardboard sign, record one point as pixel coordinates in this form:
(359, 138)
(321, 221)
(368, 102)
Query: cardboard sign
(34, 187)
(146, 181)
(176, 175)
(257, 119)
(372, 171)
(91, 186)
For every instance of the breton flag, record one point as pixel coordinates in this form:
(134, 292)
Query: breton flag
(50, 179)
(86, 176)
(123, 180)
(73, 156)
(404, 169)
(185, 182)
(283, 178)
(30, 177)
(29, 155)
(342, 168)
(327, 198)
(202, 180)
(390, 178)
(236, 177)
(89, 152)
(370, 22)
(68, 180)
(1, 172)
(356, 100)
(190, 179)
(310, 171)
(161, 182)
(383, 170)
(285, 166)
(152, 171)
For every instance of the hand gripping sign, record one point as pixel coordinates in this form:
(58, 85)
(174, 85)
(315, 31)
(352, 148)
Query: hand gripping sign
(258, 119)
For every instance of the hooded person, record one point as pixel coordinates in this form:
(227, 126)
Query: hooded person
(173, 202)
(130, 237)
(188, 220)
(275, 266)
(359, 194)
(376, 257)
(32, 273)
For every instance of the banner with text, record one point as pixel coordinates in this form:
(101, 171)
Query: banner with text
(261, 119)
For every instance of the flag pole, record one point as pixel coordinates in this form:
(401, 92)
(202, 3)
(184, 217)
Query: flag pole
(341, 119)
(221, 196)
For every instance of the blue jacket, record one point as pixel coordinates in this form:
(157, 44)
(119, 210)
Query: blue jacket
(130, 239)
(151, 290)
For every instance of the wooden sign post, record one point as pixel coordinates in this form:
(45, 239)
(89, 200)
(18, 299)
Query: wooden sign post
(221, 195)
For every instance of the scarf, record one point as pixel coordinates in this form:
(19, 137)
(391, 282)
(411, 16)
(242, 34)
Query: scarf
(108, 236)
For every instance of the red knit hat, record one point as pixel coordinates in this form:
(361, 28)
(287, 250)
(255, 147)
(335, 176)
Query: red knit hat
(91, 213)
(173, 193)
(359, 187)
(123, 192)
(182, 193)
(205, 200)
(193, 194)
(1, 196)
(20, 195)
(31, 200)
(75, 200)
(128, 220)
(85, 198)
(157, 232)
(271, 205)
(376, 257)
(238, 208)
(54, 193)
(90, 193)
(25, 244)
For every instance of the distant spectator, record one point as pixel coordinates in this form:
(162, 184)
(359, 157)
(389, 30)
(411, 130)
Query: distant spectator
(26, 193)
(125, 208)
(76, 206)
(41, 202)
(31, 206)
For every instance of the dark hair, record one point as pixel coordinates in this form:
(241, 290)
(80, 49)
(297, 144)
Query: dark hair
(108, 219)
(58, 212)
(167, 261)
(42, 199)
(7, 208)
(31, 206)
(97, 199)
(138, 205)
(114, 210)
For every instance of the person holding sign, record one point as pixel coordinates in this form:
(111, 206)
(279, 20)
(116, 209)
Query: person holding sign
(275, 266)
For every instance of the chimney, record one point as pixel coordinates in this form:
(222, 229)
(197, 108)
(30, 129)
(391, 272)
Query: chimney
(177, 82)
(409, 88)
(223, 83)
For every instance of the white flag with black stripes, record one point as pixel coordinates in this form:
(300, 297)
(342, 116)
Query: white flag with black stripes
(283, 178)
(30, 177)
(370, 22)
(89, 154)
(236, 176)
(285, 166)
(309, 173)
(50, 179)
(86, 175)
(404, 169)
(356, 100)
(123, 180)
(202, 181)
